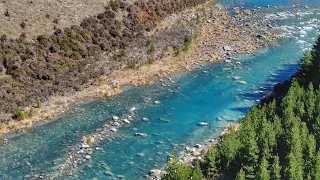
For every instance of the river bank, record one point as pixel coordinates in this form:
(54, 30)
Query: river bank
(221, 37)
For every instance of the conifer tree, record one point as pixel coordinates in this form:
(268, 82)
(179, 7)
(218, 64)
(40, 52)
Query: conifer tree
(276, 169)
(197, 173)
(316, 167)
(264, 173)
(241, 175)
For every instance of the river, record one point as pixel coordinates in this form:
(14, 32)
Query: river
(205, 94)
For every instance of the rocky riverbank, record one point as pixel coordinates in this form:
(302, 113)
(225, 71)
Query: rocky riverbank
(193, 152)
(214, 36)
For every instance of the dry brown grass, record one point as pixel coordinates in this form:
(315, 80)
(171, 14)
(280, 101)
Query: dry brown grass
(39, 15)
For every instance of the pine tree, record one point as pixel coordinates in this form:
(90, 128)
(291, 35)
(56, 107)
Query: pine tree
(177, 170)
(264, 173)
(309, 154)
(241, 175)
(316, 167)
(197, 173)
(276, 169)
(316, 131)
(210, 163)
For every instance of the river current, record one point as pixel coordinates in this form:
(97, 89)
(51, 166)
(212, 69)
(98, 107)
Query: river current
(209, 93)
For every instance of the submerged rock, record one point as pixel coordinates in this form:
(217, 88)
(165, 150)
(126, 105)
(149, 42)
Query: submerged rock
(87, 157)
(140, 154)
(203, 123)
(242, 82)
(157, 102)
(108, 173)
(115, 117)
(141, 134)
(126, 121)
(132, 109)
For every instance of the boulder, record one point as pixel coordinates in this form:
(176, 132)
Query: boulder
(196, 154)
(115, 117)
(126, 121)
(113, 129)
(145, 119)
(242, 82)
(84, 145)
(141, 134)
(197, 146)
(157, 102)
(132, 109)
(227, 48)
(108, 173)
(203, 123)
(87, 157)
(116, 124)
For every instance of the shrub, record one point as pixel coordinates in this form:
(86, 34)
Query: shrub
(176, 51)
(187, 43)
(152, 48)
(131, 65)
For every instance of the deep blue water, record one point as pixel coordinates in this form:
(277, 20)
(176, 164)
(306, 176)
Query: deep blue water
(204, 94)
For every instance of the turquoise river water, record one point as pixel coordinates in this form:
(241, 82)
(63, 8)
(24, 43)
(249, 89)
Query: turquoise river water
(204, 94)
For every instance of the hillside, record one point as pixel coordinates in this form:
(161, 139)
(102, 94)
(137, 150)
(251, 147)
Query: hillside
(100, 49)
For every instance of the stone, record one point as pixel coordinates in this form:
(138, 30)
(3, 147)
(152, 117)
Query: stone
(121, 176)
(108, 173)
(227, 61)
(116, 124)
(157, 102)
(140, 154)
(126, 121)
(87, 157)
(227, 48)
(242, 82)
(145, 119)
(99, 149)
(196, 153)
(84, 145)
(197, 146)
(236, 77)
(113, 129)
(132, 109)
(141, 134)
(115, 117)
(203, 123)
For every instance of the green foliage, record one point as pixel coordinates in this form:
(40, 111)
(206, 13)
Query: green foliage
(209, 164)
(187, 43)
(197, 172)
(152, 48)
(241, 175)
(131, 64)
(38, 104)
(177, 171)
(263, 173)
(21, 115)
(276, 169)
(176, 52)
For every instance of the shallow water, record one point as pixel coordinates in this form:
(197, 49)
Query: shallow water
(204, 94)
